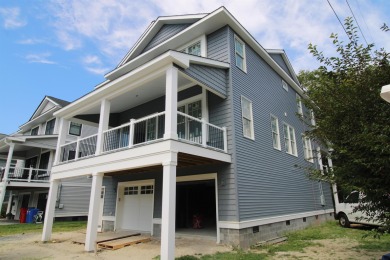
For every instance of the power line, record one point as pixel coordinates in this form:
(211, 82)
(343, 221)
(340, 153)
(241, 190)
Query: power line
(364, 20)
(357, 22)
(342, 25)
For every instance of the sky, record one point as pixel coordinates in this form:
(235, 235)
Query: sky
(64, 48)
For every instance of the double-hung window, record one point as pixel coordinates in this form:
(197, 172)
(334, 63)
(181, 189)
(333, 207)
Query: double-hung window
(307, 149)
(299, 105)
(239, 49)
(247, 118)
(75, 129)
(34, 131)
(50, 126)
(275, 132)
(289, 139)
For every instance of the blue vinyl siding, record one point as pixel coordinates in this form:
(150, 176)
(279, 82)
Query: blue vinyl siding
(217, 45)
(279, 60)
(269, 183)
(166, 32)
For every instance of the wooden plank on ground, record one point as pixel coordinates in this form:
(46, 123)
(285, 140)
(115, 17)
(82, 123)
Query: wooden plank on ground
(81, 241)
(120, 243)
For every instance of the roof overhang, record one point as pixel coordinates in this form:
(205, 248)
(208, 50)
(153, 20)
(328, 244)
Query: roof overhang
(385, 93)
(136, 76)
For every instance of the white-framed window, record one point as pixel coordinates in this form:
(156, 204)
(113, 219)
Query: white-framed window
(275, 132)
(247, 118)
(312, 118)
(35, 131)
(307, 149)
(195, 47)
(239, 50)
(75, 128)
(289, 139)
(299, 104)
(284, 85)
(50, 126)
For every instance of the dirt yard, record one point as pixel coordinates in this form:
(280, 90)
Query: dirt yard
(28, 246)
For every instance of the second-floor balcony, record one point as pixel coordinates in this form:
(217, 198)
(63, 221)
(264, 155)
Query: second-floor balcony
(144, 131)
(26, 175)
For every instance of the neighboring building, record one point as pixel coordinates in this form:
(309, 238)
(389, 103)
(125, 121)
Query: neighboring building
(26, 161)
(197, 125)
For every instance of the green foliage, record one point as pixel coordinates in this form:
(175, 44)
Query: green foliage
(15, 229)
(352, 119)
(235, 255)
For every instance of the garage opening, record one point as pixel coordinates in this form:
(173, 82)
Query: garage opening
(196, 208)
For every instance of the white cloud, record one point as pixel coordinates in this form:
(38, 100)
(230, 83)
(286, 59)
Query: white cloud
(11, 17)
(93, 64)
(39, 58)
(30, 41)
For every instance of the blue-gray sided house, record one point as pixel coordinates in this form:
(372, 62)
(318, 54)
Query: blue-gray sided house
(26, 159)
(198, 133)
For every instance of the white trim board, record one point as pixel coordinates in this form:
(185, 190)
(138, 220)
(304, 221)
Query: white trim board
(269, 220)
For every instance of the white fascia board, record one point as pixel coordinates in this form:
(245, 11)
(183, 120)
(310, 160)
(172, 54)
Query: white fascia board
(153, 29)
(269, 220)
(385, 93)
(286, 60)
(40, 119)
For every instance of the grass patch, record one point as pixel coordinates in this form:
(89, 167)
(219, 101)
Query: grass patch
(234, 255)
(61, 226)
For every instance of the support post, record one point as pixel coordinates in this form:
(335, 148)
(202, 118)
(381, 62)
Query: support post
(63, 129)
(30, 173)
(3, 186)
(171, 103)
(9, 206)
(93, 213)
(168, 209)
(50, 207)
(204, 133)
(103, 125)
(224, 139)
(131, 132)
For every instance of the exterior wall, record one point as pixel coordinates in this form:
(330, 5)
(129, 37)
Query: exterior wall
(268, 181)
(217, 45)
(86, 130)
(246, 237)
(166, 32)
(279, 60)
(74, 195)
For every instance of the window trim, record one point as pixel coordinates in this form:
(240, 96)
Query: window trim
(294, 151)
(299, 104)
(312, 118)
(34, 129)
(236, 38)
(203, 45)
(307, 149)
(277, 133)
(252, 137)
(285, 85)
(81, 128)
(54, 126)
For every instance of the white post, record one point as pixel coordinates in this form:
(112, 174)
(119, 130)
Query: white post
(93, 213)
(131, 133)
(63, 130)
(76, 157)
(30, 173)
(103, 125)
(9, 203)
(204, 133)
(171, 103)
(8, 163)
(225, 139)
(50, 207)
(168, 209)
(50, 164)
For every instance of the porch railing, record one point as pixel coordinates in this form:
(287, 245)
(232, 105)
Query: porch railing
(145, 130)
(19, 174)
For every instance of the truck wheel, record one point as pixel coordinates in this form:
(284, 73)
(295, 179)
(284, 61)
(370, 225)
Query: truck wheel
(343, 220)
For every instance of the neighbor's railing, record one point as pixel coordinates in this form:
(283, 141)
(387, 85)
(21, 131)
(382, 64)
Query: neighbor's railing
(144, 130)
(28, 174)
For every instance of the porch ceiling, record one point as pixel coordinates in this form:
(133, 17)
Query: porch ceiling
(184, 160)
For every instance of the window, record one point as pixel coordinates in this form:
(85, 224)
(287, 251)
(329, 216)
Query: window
(75, 129)
(299, 105)
(132, 190)
(35, 131)
(239, 48)
(187, 128)
(275, 132)
(247, 117)
(284, 85)
(194, 49)
(50, 126)
(307, 149)
(289, 140)
(148, 189)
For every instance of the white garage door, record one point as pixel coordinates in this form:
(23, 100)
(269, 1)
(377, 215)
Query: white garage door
(135, 206)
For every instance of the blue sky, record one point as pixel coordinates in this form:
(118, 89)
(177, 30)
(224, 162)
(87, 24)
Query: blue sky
(64, 48)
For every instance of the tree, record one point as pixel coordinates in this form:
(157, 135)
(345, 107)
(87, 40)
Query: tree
(352, 119)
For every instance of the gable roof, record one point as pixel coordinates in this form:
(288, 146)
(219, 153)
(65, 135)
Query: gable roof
(204, 25)
(284, 56)
(48, 99)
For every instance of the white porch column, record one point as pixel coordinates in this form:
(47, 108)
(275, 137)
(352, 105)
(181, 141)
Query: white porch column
(171, 103)
(9, 206)
(62, 132)
(8, 163)
(93, 213)
(103, 124)
(168, 209)
(50, 207)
